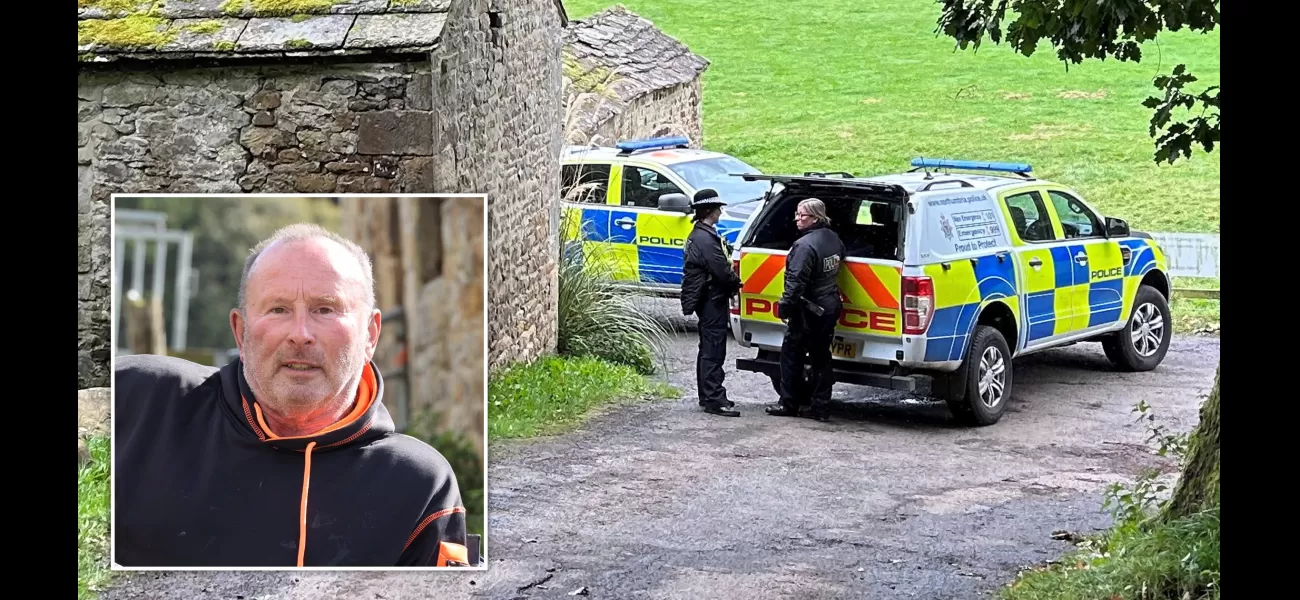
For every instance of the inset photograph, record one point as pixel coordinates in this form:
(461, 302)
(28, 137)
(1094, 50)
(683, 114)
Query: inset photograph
(299, 381)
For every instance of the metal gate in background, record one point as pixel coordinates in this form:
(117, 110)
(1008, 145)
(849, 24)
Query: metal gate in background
(139, 232)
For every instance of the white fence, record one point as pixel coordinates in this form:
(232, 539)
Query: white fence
(1191, 254)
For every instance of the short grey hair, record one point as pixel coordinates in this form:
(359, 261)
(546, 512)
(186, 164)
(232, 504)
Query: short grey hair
(308, 231)
(815, 209)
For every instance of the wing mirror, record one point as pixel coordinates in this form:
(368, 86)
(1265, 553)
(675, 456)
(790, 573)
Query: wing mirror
(675, 202)
(1116, 227)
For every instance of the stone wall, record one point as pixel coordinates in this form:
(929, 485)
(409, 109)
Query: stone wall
(662, 112)
(428, 255)
(497, 81)
(313, 128)
(484, 116)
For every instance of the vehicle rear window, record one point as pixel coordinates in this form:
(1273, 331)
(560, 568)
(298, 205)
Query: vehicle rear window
(869, 228)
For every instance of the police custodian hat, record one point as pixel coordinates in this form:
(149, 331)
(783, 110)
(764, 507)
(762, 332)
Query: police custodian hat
(706, 197)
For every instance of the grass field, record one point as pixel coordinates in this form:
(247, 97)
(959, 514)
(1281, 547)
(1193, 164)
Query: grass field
(865, 85)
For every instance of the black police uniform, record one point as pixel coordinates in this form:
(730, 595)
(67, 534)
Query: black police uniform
(811, 269)
(707, 284)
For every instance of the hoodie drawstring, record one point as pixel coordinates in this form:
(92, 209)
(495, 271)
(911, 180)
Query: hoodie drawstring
(302, 510)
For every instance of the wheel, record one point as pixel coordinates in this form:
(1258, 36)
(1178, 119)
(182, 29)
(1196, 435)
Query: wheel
(977, 392)
(1143, 342)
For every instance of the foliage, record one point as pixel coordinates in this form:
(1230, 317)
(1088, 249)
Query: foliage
(1148, 553)
(553, 393)
(597, 318)
(93, 494)
(1178, 559)
(1087, 29)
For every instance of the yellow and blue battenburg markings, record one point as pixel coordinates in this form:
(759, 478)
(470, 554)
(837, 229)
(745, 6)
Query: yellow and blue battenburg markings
(961, 290)
(637, 245)
(1061, 295)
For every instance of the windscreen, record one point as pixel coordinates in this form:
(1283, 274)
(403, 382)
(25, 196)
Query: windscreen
(716, 173)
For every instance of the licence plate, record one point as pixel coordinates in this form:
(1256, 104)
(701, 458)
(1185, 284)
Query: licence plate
(844, 349)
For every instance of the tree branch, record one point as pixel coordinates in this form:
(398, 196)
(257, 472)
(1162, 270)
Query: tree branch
(1093, 29)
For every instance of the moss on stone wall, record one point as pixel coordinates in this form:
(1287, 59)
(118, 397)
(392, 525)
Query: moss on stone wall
(224, 46)
(596, 80)
(279, 8)
(114, 6)
(204, 28)
(135, 31)
(298, 44)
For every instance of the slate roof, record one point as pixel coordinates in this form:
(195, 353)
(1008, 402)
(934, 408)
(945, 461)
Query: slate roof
(229, 29)
(641, 57)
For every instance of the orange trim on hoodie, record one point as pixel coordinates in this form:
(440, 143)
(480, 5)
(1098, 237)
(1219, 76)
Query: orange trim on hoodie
(366, 392)
(365, 397)
(452, 555)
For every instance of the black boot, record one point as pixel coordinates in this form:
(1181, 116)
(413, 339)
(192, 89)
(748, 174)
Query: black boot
(783, 410)
(721, 410)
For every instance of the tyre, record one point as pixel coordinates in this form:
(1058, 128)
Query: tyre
(978, 391)
(1143, 342)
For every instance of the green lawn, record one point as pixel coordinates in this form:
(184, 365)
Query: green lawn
(553, 394)
(93, 520)
(865, 86)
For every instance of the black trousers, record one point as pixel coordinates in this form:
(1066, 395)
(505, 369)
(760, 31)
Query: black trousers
(713, 351)
(808, 342)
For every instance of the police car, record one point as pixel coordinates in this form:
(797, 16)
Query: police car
(630, 205)
(950, 276)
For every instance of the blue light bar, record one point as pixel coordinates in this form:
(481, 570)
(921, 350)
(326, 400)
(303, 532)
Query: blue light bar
(972, 165)
(630, 146)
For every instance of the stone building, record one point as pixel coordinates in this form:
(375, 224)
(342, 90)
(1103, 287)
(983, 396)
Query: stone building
(328, 96)
(624, 78)
(428, 262)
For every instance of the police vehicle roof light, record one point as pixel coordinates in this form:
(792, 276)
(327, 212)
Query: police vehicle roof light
(971, 165)
(630, 146)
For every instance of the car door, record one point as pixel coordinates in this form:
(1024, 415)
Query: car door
(659, 235)
(1046, 280)
(1099, 263)
(586, 190)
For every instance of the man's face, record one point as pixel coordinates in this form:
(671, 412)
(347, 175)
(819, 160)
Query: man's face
(307, 331)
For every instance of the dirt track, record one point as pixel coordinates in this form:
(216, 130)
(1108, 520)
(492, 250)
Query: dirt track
(887, 500)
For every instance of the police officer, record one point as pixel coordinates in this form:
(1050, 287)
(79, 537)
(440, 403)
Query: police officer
(810, 307)
(707, 284)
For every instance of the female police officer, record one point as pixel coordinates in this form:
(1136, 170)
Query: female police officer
(707, 284)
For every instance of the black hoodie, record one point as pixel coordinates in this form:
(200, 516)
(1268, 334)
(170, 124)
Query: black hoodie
(199, 480)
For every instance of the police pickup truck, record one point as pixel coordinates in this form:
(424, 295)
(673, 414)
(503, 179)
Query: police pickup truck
(630, 206)
(951, 276)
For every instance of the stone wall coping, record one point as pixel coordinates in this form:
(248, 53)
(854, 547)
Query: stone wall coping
(108, 30)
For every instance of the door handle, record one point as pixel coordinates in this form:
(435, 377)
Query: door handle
(1081, 258)
(625, 222)
(1001, 255)
(1036, 263)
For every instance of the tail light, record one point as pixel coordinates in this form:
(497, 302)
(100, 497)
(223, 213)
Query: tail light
(735, 302)
(918, 304)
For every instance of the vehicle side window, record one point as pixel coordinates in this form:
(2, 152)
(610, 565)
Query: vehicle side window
(586, 184)
(1029, 217)
(643, 187)
(1076, 220)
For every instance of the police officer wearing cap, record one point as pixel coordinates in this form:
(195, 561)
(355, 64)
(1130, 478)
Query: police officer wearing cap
(708, 283)
(810, 307)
